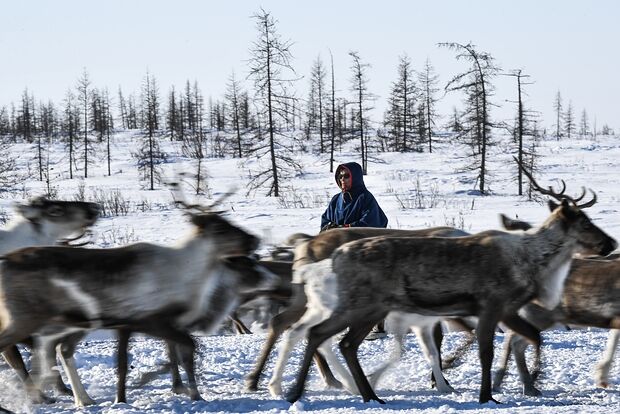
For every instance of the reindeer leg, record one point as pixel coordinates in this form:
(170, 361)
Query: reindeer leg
(349, 346)
(430, 350)
(464, 346)
(485, 333)
(437, 341)
(332, 360)
(316, 336)
(399, 326)
(14, 359)
(187, 348)
(602, 368)
(278, 325)
(122, 357)
(327, 374)
(531, 333)
(501, 372)
(66, 350)
(177, 383)
(395, 356)
(238, 324)
(310, 318)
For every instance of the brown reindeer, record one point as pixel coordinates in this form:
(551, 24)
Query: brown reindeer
(591, 297)
(315, 249)
(489, 275)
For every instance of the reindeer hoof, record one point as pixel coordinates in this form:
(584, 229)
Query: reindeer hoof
(489, 399)
(180, 389)
(334, 383)
(275, 389)
(85, 402)
(446, 390)
(531, 391)
(251, 384)
(196, 397)
(40, 398)
(602, 384)
(293, 396)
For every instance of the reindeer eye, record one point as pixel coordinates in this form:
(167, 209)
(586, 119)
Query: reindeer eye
(55, 211)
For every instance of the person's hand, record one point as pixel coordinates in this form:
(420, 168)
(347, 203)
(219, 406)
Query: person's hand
(329, 225)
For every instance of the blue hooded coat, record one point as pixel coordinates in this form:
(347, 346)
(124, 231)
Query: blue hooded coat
(355, 207)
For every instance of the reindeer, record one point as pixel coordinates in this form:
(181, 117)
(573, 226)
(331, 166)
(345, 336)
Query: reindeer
(320, 286)
(591, 297)
(308, 250)
(489, 275)
(52, 291)
(43, 222)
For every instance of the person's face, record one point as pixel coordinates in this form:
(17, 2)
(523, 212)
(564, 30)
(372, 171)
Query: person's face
(344, 180)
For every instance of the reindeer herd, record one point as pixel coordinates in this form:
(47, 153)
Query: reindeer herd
(336, 286)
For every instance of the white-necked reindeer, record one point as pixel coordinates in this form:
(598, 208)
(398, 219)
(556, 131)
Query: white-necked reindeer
(489, 275)
(42, 222)
(312, 250)
(320, 286)
(85, 289)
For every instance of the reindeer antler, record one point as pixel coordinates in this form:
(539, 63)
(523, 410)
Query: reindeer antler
(558, 196)
(179, 199)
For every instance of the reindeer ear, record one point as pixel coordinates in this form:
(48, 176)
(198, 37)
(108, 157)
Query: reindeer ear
(506, 222)
(511, 224)
(552, 205)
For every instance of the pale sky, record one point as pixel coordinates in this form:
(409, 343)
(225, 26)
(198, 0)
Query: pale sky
(571, 46)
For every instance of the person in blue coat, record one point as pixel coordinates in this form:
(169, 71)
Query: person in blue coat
(354, 206)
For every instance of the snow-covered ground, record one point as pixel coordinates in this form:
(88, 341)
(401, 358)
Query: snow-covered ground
(447, 198)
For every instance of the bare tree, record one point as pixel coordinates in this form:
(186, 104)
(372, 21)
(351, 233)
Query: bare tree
(150, 156)
(316, 100)
(71, 127)
(333, 115)
(359, 86)
(428, 80)
(84, 94)
(194, 141)
(569, 121)
(9, 177)
(400, 116)
(270, 59)
(234, 98)
(525, 127)
(584, 125)
(122, 109)
(476, 82)
(108, 126)
(558, 109)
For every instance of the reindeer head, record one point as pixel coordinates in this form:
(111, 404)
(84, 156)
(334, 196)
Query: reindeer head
(249, 275)
(229, 239)
(63, 218)
(574, 221)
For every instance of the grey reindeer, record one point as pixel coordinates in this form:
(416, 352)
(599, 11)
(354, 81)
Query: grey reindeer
(54, 292)
(591, 298)
(41, 222)
(489, 275)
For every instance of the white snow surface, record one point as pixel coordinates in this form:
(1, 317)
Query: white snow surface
(448, 198)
